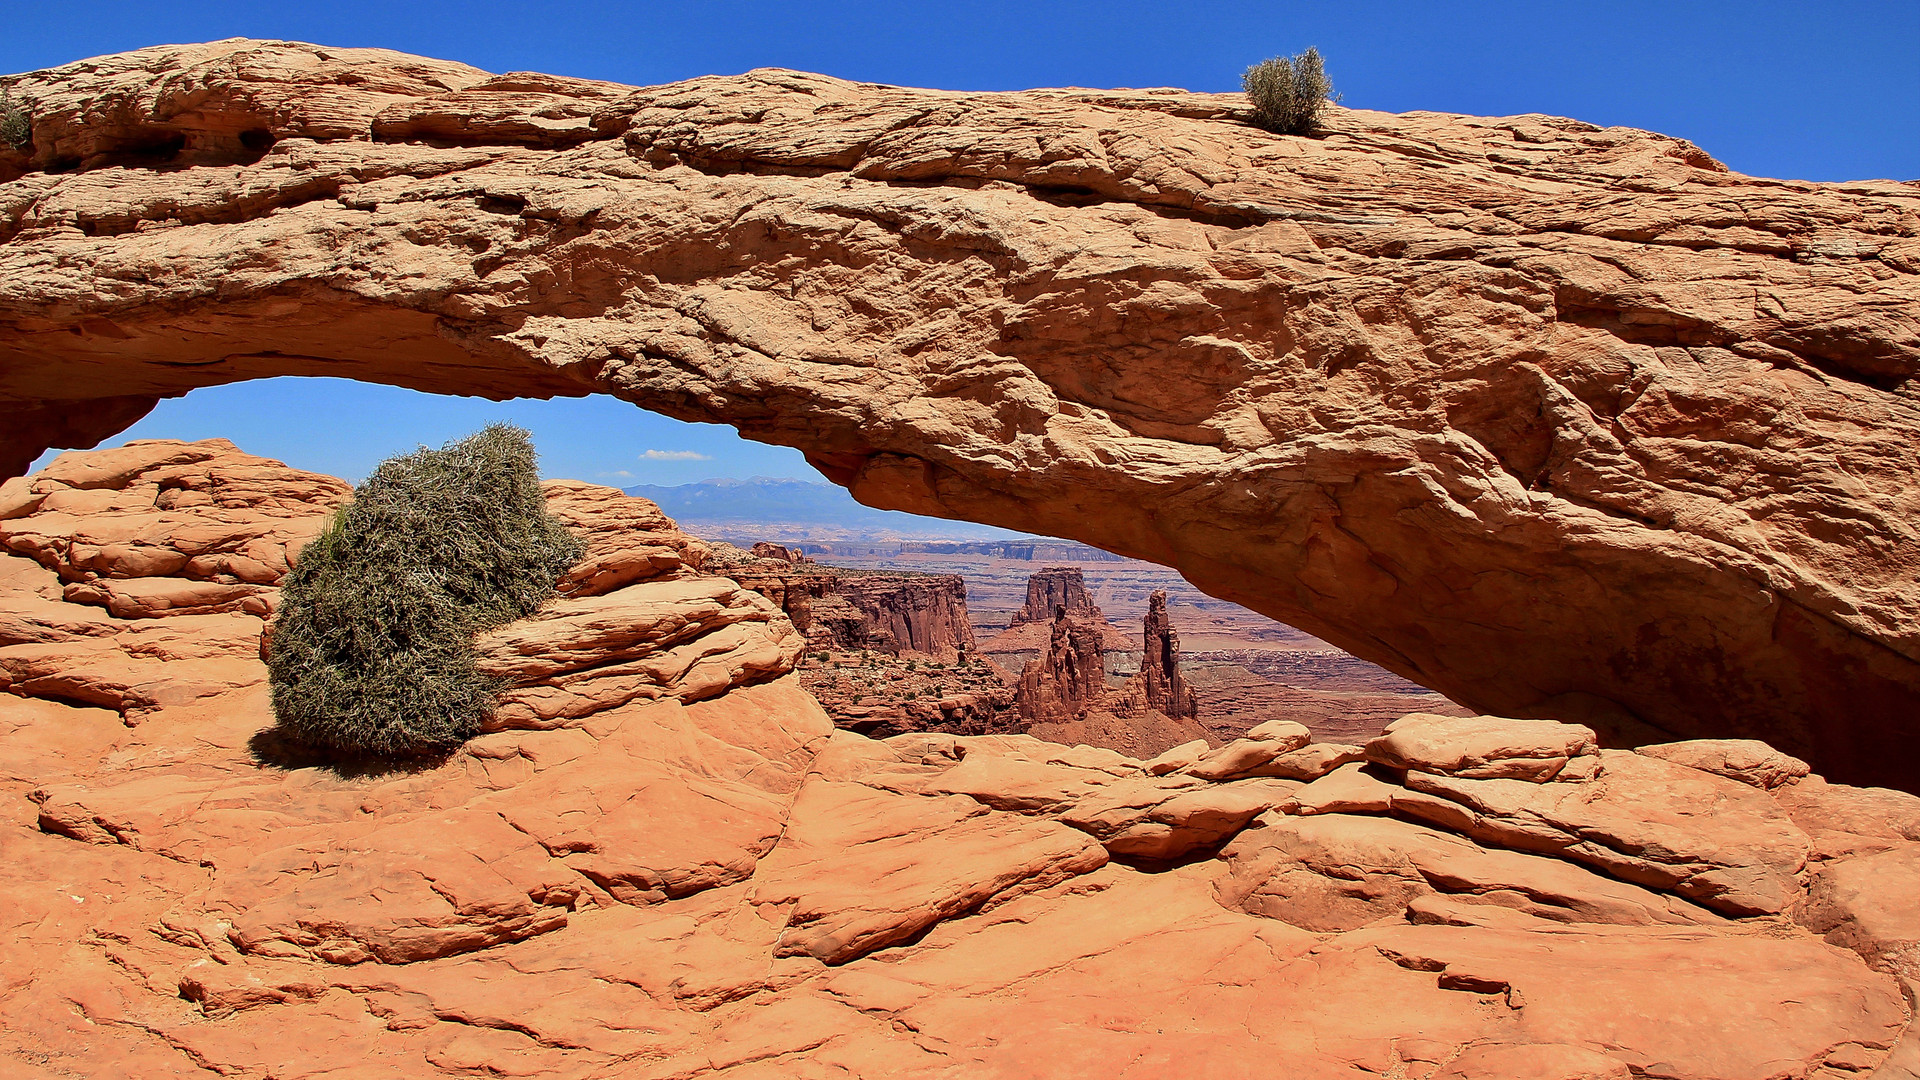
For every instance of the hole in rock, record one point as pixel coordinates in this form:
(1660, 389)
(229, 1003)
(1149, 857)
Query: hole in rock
(947, 657)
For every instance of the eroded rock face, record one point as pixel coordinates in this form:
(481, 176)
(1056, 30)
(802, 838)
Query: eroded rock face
(1162, 687)
(729, 887)
(1050, 591)
(1555, 419)
(899, 613)
(146, 576)
(1069, 676)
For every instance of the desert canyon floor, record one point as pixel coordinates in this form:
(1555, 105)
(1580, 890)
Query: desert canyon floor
(1564, 422)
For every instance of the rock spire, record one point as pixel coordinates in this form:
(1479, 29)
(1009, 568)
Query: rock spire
(1162, 686)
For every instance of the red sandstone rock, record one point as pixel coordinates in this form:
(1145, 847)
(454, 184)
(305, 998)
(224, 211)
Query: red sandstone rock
(1063, 691)
(1746, 760)
(165, 528)
(1050, 591)
(1481, 747)
(1141, 735)
(690, 638)
(1498, 404)
(1162, 686)
(852, 875)
(680, 884)
(1713, 840)
(734, 973)
(1250, 756)
(1871, 904)
(1178, 758)
(1069, 677)
(1351, 789)
(777, 552)
(854, 610)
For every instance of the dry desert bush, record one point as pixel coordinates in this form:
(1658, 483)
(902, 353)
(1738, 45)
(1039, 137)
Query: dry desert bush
(372, 648)
(1289, 93)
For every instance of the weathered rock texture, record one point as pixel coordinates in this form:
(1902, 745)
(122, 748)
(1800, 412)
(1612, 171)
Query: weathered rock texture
(1559, 420)
(899, 613)
(668, 864)
(886, 653)
(1064, 694)
(1050, 591)
(183, 545)
(1069, 676)
(1162, 688)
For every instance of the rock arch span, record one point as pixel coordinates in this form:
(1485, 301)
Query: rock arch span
(1562, 421)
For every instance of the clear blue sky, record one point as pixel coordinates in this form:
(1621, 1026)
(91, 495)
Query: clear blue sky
(1818, 91)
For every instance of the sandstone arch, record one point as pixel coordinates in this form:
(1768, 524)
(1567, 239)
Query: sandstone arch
(1561, 421)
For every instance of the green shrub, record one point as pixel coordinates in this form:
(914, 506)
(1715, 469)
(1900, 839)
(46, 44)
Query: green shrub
(1289, 93)
(372, 649)
(16, 126)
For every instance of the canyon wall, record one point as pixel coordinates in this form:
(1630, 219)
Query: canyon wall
(841, 609)
(1559, 420)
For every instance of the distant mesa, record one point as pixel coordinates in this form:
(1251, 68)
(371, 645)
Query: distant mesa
(1052, 591)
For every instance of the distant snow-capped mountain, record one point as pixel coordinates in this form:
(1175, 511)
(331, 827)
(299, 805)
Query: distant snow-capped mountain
(797, 508)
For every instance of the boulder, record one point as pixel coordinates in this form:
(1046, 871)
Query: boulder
(1253, 755)
(1181, 757)
(1749, 761)
(1349, 789)
(1481, 747)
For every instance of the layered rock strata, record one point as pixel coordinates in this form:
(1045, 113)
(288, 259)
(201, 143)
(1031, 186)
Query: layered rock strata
(145, 576)
(666, 862)
(1064, 694)
(1559, 420)
(1162, 688)
(898, 613)
(1050, 591)
(1069, 676)
(886, 652)
(731, 888)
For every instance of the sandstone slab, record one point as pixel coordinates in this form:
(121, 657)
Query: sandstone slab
(1746, 760)
(850, 874)
(1481, 747)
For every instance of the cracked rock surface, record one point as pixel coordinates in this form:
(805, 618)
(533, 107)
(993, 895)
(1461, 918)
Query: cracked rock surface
(688, 873)
(1562, 421)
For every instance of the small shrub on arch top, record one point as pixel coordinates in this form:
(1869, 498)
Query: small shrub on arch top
(1289, 93)
(372, 649)
(16, 126)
